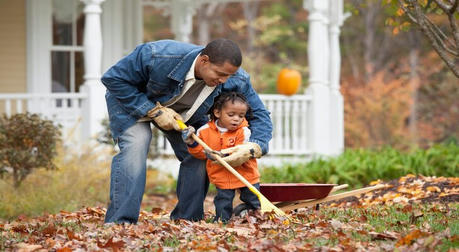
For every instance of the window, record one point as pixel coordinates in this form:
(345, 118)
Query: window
(67, 62)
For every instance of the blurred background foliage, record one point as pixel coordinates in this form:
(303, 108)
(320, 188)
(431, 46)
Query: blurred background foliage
(397, 90)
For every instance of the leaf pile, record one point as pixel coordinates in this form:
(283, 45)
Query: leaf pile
(408, 227)
(408, 190)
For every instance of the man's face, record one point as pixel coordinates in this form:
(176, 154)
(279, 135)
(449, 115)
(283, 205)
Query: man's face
(213, 74)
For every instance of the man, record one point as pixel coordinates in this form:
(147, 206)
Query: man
(165, 81)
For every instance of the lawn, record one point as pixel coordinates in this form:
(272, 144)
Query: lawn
(411, 213)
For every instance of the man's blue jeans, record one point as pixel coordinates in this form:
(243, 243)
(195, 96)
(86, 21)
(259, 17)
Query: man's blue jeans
(128, 175)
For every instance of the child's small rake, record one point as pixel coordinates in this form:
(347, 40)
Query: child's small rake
(266, 205)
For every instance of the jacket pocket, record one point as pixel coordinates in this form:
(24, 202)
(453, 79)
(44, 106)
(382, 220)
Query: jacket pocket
(156, 88)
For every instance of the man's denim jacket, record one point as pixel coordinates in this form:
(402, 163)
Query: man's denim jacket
(155, 71)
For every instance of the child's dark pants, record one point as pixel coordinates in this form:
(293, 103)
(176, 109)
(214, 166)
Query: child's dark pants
(224, 201)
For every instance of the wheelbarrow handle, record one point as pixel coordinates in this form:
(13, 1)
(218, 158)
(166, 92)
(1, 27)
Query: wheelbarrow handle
(338, 187)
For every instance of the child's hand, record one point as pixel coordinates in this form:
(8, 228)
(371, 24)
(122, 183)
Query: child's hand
(187, 135)
(209, 154)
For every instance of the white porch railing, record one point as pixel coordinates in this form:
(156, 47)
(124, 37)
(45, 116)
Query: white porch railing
(61, 108)
(288, 114)
(290, 131)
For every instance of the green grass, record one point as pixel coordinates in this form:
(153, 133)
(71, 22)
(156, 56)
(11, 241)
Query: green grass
(360, 166)
(172, 242)
(395, 219)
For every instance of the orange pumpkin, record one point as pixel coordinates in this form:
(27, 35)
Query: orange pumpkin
(288, 81)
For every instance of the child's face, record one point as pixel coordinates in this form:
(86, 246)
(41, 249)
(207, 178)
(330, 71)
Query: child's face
(231, 115)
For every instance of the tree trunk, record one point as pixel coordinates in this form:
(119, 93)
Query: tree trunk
(205, 14)
(250, 10)
(369, 39)
(414, 83)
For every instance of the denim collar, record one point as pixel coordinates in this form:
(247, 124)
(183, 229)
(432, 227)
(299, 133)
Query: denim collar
(182, 68)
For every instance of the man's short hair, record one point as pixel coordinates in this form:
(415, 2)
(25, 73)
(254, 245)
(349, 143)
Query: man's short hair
(221, 50)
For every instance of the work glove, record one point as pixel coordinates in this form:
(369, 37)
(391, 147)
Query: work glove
(165, 118)
(239, 154)
(187, 135)
(210, 154)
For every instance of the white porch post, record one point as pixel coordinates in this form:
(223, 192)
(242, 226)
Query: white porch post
(318, 54)
(94, 108)
(336, 99)
(182, 12)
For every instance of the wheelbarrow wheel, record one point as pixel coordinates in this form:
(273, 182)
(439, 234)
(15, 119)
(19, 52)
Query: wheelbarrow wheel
(237, 211)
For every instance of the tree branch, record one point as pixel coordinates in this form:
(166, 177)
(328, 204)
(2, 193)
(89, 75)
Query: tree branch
(443, 6)
(439, 41)
(441, 38)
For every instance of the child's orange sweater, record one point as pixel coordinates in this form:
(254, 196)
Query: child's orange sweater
(218, 174)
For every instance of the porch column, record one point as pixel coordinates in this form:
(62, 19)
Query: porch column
(336, 99)
(319, 89)
(182, 12)
(94, 107)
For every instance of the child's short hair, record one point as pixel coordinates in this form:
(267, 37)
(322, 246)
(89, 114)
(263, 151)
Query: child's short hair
(225, 97)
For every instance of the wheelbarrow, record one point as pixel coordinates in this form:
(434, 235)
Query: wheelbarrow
(292, 196)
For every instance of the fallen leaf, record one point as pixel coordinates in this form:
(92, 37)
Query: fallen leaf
(382, 236)
(116, 246)
(336, 224)
(20, 229)
(27, 247)
(415, 215)
(433, 189)
(409, 238)
(64, 249)
(50, 230)
(156, 210)
(239, 230)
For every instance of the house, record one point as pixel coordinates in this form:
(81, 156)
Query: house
(52, 54)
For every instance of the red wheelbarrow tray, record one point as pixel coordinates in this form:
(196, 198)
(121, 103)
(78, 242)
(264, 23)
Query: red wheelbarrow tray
(281, 192)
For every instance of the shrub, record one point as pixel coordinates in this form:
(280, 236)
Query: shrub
(105, 136)
(27, 142)
(358, 167)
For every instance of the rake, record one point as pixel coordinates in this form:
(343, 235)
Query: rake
(266, 205)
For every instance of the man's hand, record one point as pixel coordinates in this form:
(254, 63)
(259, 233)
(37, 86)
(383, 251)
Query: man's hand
(239, 154)
(165, 118)
(187, 135)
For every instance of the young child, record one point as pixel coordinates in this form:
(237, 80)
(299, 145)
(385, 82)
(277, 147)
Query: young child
(227, 128)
